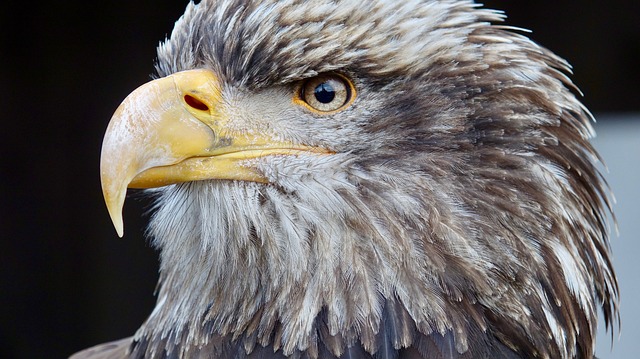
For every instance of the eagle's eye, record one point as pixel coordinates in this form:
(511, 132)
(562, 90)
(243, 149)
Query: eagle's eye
(325, 93)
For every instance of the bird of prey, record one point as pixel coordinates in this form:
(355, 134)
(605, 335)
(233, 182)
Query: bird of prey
(362, 179)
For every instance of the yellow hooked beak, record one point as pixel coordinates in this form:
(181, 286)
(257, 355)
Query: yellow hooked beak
(172, 130)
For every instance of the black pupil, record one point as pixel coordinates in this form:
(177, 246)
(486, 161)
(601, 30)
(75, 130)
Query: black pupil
(324, 92)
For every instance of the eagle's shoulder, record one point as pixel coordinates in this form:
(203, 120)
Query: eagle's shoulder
(112, 350)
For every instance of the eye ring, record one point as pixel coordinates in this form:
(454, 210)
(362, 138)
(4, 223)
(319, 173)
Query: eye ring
(325, 94)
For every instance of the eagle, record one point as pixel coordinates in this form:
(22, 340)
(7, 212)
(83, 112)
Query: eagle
(362, 179)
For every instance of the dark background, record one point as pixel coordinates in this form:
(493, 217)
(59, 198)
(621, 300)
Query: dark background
(66, 280)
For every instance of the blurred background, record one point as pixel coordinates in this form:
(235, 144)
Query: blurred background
(68, 282)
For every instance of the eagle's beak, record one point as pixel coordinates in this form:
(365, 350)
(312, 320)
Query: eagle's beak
(173, 130)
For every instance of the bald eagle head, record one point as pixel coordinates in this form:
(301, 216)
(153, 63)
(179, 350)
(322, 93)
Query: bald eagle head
(363, 179)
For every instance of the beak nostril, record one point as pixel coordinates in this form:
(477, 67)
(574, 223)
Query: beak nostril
(195, 103)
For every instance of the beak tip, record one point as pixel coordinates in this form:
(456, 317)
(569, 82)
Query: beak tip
(114, 207)
(118, 223)
(120, 230)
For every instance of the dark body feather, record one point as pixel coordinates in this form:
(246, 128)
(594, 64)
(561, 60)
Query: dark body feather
(396, 328)
(462, 215)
